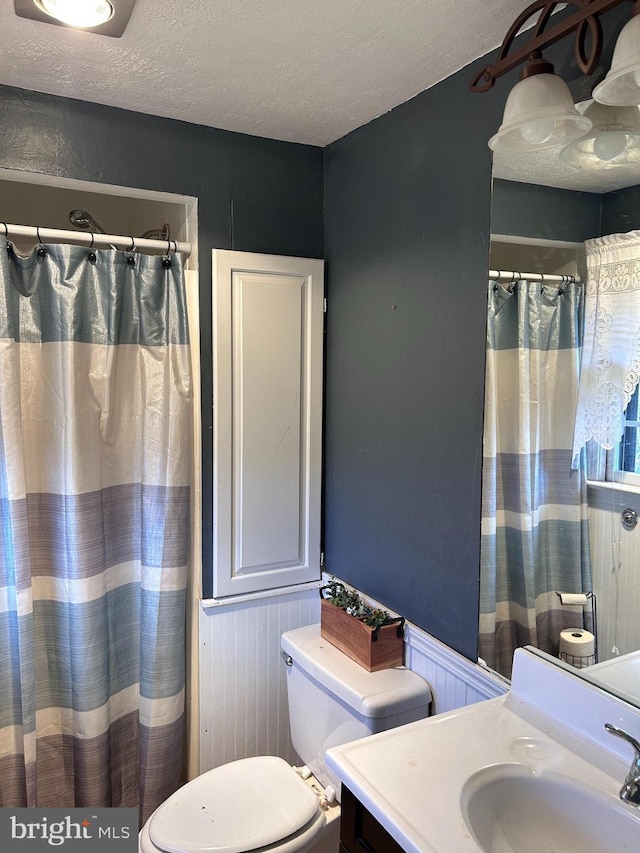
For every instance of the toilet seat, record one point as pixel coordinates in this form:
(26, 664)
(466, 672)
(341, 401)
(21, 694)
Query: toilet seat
(255, 803)
(301, 840)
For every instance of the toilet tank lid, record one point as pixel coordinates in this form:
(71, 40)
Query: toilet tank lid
(370, 694)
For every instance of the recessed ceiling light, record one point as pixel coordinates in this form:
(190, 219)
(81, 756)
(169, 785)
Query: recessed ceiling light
(78, 13)
(103, 17)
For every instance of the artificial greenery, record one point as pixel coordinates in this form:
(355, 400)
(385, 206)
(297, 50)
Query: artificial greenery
(349, 600)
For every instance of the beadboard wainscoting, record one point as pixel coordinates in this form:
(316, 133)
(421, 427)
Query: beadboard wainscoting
(455, 681)
(243, 693)
(243, 688)
(615, 556)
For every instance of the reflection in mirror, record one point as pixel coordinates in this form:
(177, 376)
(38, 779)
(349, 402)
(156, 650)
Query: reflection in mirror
(554, 544)
(620, 676)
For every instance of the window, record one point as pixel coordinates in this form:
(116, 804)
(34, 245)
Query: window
(623, 462)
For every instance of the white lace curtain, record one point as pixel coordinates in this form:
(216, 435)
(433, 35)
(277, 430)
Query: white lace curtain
(611, 350)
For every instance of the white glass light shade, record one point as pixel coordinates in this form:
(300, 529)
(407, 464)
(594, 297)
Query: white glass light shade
(78, 13)
(539, 114)
(621, 86)
(614, 139)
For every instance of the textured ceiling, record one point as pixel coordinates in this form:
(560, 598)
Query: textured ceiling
(546, 168)
(295, 70)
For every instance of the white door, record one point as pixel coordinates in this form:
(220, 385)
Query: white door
(267, 415)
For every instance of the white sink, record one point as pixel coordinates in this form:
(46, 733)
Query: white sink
(534, 771)
(510, 809)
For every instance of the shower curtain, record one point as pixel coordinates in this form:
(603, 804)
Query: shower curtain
(95, 426)
(535, 539)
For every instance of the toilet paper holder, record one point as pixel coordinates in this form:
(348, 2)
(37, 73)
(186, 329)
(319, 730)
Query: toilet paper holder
(584, 600)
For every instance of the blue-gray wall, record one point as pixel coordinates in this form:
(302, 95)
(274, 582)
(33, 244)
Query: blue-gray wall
(527, 210)
(408, 205)
(254, 194)
(548, 213)
(407, 200)
(621, 211)
(407, 230)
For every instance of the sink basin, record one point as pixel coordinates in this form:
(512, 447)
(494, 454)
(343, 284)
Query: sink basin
(508, 807)
(532, 771)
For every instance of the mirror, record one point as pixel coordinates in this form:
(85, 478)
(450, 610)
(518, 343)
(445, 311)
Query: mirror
(619, 676)
(542, 212)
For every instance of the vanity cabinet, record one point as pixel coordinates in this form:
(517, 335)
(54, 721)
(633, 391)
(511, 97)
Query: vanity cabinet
(360, 832)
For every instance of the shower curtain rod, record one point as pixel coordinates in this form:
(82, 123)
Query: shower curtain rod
(533, 276)
(93, 240)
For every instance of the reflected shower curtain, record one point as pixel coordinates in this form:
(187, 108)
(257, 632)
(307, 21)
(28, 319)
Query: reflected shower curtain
(535, 539)
(95, 427)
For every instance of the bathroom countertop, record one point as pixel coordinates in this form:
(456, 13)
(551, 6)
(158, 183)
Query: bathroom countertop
(622, 674)
(411, 778)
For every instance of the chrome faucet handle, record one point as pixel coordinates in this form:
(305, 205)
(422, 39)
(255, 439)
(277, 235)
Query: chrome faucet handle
(630, 791)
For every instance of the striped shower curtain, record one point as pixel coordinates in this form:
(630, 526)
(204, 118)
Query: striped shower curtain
(535, 540)
(95, 426)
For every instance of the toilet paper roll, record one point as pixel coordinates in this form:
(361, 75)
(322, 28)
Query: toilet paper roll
(572, 598)
(575, 642)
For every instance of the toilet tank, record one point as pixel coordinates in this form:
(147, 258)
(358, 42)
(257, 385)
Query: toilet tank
(333, 700)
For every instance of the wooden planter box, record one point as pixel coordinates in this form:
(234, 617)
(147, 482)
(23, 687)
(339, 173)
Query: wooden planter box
(356, 639)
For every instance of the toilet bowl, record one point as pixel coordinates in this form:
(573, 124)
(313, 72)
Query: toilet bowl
(261, 804)
(247, 805)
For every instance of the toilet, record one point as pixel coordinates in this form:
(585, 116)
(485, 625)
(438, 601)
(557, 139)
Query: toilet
(262, 803)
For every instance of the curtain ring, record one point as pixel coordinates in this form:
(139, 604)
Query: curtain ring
(6, 230)
(92, 255)
(166, 258)
(41, 252)
(175, 247)
(133, 245)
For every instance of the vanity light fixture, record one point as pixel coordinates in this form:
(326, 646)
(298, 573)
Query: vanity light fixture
(614, 139)
(621, 86)
(104, 17)
(528, 124)
(539, 112)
